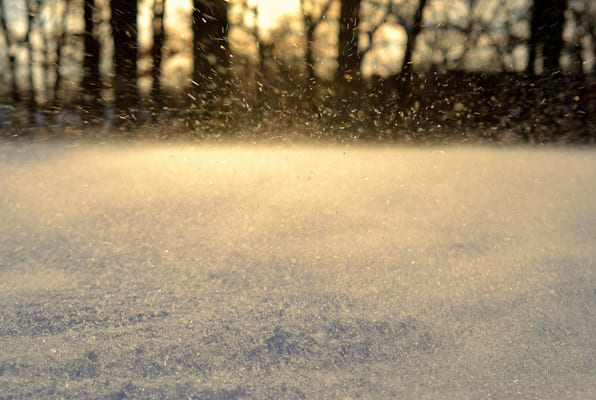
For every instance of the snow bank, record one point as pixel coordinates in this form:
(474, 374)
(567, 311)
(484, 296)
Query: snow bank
(232, 271)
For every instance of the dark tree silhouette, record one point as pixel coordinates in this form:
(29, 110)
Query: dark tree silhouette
(211, 52)
(32, 7)
(311, 23)
(60, 38)
(411, 41)
(404, 79)
(14, 89)
(349, 58)
(124, 31)
(156, 51)
(263, 50)
(547, 22)
(91, 78)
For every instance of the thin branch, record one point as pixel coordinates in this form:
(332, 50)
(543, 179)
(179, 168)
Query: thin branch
(370, 32)
(412, 35)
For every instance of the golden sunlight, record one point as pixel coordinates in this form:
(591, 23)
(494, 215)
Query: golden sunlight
(271, 10)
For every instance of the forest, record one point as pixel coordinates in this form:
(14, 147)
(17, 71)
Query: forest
(417, 70)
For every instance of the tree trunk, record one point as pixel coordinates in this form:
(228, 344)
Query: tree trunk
(14, 89)
(533, 39)
(59, 45)
(46, 66)
(546, 33)
(411, 41)
(309, 60)
(211, 52)
(31, 99)
(156, 52)
(261, 87)
(124, 31)
(404, 80)
(348, 54)
(91, 80)
(553, 43)
(309, 56)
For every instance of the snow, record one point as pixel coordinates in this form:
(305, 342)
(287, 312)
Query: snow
(238, 271)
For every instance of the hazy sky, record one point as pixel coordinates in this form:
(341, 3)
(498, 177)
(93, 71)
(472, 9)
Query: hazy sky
(270, 10)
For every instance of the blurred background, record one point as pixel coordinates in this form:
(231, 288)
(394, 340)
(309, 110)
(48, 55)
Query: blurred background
(406, 70)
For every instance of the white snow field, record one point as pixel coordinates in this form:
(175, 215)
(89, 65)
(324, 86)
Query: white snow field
(270, 272)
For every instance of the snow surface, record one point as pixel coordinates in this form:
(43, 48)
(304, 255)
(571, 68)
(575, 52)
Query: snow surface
(224, 272)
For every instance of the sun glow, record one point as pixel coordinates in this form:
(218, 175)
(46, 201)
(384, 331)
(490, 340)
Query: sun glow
(271, 10)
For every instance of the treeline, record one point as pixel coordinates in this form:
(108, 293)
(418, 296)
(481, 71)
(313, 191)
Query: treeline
(390, 68)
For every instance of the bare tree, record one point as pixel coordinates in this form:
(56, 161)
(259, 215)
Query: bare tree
(583, 16)
(412, 35)
(91, 78)
(311, 21)
(381, 12)
(349, 58)
(61, 38)
(497, 27)
(32, 8)
(548, 19)
(263, 47)
(14, 90)
(390, 11)
(156, 51)
(211, 51)
(124, 31)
